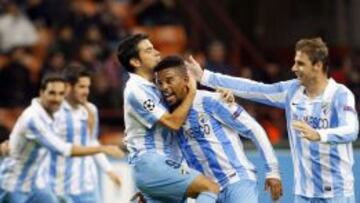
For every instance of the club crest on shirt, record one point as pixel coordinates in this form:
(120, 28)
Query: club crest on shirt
(149, 105)
(202, 118)
(325, 108)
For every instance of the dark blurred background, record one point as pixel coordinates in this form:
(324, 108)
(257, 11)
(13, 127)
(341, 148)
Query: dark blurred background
(249, 38)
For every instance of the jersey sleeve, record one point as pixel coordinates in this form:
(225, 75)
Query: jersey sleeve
(269, 94)
(348, 122)
(44, 135)
(145, 107)
(236, 118)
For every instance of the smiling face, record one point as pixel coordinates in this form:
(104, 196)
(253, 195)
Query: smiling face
(172, 83)
(52, 96)
(304, 69)
(79, 92)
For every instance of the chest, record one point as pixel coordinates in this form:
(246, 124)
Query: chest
(317, 113)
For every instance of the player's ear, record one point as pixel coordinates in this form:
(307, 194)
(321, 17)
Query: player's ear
(135, 62)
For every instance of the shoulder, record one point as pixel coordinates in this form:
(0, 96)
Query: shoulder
(91, 107)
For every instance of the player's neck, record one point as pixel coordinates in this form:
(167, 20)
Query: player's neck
(146, 74)
(316, 87)
(72, 103)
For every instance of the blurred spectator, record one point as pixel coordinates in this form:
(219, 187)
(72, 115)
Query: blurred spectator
(64, 42)
(55, 63)
(111, 24)
(216, 58)
(16, 88)
(94, 38)
(48, 12)
(155, 12)
(15, 28)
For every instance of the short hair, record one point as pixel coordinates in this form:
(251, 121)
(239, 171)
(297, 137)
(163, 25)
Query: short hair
(74, 72)
(173, 61)
(316, 50)
(127, 49)
(51, 77)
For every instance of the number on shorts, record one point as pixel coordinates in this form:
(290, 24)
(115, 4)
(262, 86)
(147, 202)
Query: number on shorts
(172, 164)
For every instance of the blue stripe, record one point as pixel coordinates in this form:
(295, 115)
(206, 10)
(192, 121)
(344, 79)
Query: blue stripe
(206, 148)
(53, 163)
(335, 160)
(315, 155)
(40, 137)
(166, 136)
(140, 110)
(24, 172)
(97, 129)
(190, 156)
(150, 138)
(218, 131)
(295, 138)
(82, 171)
(68, 160)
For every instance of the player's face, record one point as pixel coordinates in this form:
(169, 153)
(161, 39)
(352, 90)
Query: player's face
(149, 57)
(303, 68)
(173, 85)
(52, 96)
(79, 93)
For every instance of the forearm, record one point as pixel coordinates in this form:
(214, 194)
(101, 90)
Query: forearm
(269, 94)
(77, 150)
(176, 119)
(346, 132)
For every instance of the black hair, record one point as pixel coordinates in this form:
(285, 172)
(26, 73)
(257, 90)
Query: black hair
(127, 49)
(51, 77)
(170, 62)
(73, 72)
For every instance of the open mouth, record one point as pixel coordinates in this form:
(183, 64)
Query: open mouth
(168, 96)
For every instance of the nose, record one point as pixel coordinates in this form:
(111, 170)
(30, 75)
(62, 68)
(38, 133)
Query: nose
(294, 68)
(163, 86)
(59, 98)
(157, 53)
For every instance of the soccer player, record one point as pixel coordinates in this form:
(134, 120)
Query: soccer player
(148, 124)
(209, 138)
(321, 121)
(24, 172)
(74, 180)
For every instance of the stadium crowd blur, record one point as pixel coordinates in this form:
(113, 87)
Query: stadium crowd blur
(38, 36)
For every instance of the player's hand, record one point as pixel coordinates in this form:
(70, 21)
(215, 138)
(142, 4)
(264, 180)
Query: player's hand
(115, 178)
(226, 95)
(192, 85)
(306, 130)
(194, 68)
(113, 151)
(4, 148)
(138, 197)
(274, 186)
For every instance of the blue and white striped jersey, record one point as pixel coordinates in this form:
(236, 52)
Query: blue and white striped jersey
(143, 108)
(75, 175)
(322, 169)
(26, 167)
(211, 144)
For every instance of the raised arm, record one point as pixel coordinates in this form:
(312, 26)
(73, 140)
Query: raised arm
(269, 94)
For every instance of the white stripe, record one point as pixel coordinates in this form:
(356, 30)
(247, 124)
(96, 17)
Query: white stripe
(326, 175)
